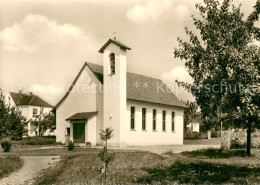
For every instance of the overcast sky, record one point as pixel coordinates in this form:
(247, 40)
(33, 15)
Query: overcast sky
(45, 43)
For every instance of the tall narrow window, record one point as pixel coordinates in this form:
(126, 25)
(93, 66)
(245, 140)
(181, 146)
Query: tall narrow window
(41, 110)
(112, 64)
(35, 111)
(154, 119)
(173, 117)
(143, 118)
(132, 118)
(163, 120)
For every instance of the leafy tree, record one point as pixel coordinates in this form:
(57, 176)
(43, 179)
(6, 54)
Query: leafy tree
(224, 64)
(44, 122)
(190, 113)
(104, 156)
(12, 123)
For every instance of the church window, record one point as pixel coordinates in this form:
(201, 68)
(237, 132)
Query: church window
(112, 64)
(132, 118)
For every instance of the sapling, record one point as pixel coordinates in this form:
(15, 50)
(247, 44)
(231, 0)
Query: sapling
(104, 156)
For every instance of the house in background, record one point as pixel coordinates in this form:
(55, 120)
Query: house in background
(30, 106)
(141, 110)
(194, 126)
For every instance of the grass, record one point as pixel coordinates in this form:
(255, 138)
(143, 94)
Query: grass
(9, 164)
(215, 153)
(201, 173)
(86, 168)
(53, 176)
(136, 167)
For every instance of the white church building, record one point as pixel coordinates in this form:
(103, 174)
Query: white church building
(141, 110)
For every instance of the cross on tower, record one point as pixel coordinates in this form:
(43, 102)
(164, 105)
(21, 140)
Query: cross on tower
(114, 35)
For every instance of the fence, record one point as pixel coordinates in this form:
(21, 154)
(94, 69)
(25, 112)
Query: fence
(240, 136)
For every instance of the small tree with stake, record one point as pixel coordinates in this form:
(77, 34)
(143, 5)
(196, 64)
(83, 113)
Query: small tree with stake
(104, 156)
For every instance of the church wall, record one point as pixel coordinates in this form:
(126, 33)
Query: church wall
(148, 136)
(81, 99)
(90, 131)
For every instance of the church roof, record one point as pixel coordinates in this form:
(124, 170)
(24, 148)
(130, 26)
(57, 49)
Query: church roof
(122, 46)
(28, 99)
(81, 116)
(139, 88)
(143, 88)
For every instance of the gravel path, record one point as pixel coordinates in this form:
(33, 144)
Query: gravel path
(31, 168)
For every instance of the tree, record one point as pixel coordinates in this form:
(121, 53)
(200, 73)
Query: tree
(44, 122)
(12, 123)
(224, 64)
(190, 113)
(104, 156)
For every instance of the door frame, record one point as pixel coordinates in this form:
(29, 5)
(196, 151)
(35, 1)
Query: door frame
(75, 140)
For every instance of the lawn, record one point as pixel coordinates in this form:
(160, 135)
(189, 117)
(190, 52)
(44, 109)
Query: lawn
(201, 173)
(136, 167)
(85, 168)
(9, 164)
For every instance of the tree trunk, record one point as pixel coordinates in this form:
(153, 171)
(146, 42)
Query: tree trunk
(248, 142)
(209, 134)
(105, 174)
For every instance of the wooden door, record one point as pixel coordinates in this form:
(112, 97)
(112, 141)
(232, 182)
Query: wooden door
(79, 132)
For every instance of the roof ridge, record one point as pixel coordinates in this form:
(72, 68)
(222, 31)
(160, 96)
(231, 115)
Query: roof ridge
(24, 94)
(145, 76)
(118, 43)
(30, 99)
(94, 64)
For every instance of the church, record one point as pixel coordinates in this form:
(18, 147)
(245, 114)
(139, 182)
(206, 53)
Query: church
(141, 110)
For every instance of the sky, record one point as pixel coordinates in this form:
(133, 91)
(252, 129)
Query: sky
(43, 44)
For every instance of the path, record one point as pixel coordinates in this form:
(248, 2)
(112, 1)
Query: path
(31, 168)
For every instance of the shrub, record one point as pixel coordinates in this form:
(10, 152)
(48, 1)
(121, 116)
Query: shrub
(9, 164)
(39, 140)
(195, 135)
(59, 143)
(6, 145)
(88, 144)
(237, 144)
(215, 134)
(71, 146)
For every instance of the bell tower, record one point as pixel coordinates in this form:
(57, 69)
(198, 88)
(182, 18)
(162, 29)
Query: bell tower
(114, 96)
